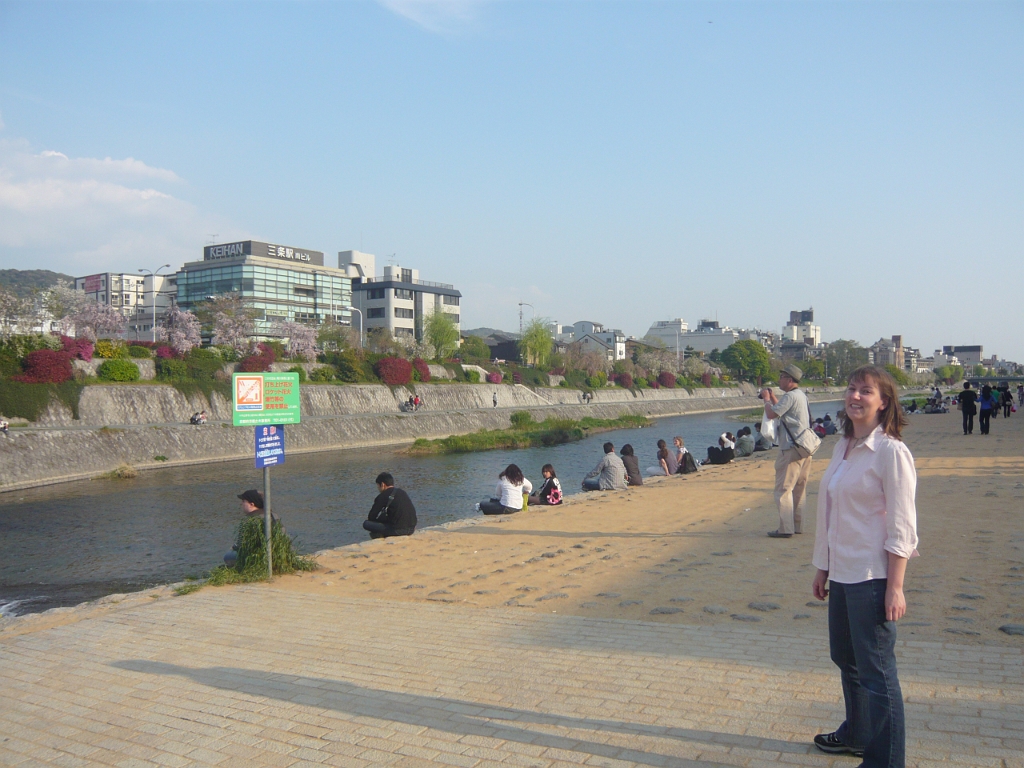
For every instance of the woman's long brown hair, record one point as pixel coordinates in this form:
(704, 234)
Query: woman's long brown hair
(893, 418)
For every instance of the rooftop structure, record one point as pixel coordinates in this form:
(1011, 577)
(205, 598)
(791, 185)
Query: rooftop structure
(397, 299)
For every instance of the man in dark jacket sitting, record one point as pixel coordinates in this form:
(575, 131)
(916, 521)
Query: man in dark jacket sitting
(392, 513)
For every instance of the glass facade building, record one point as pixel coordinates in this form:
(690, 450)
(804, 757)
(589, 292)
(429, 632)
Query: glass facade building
(280, 289)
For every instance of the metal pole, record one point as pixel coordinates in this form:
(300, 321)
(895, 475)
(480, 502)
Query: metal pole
(353, 309)
(266, 521)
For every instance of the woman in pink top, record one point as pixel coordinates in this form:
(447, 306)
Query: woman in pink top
(866, 533)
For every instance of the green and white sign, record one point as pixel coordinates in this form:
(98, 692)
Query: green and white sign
(264, 398)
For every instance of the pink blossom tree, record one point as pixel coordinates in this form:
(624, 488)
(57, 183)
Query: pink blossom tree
(301, 340)
(234, 322)
(180, 329)
(94, 320)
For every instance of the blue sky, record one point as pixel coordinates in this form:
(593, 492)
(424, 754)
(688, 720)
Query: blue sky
(622, 162)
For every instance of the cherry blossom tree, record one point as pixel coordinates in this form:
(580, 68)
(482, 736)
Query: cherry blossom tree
(301, 340)
(94, 320)
(180, 329)
(234, 322)
(63, 302)
(16, 313)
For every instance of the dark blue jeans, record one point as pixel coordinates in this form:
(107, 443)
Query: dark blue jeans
(863, 647)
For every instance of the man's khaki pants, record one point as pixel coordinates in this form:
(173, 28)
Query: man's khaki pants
(790, 483)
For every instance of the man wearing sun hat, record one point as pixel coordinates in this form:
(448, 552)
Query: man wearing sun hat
(792, 466)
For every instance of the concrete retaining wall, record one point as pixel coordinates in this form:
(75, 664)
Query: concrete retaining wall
(30, 457)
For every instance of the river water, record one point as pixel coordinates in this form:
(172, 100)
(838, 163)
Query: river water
(64, 544)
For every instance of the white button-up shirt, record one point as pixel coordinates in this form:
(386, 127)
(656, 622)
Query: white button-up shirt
(866, 508)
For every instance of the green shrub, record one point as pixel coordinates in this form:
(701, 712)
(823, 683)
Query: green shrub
(252, 554)
(140, 353)
(29, 401)
(169, 369)
(203, 364)
(299, 370)
(20, 344)
(640, 382)
(118, 370)
(521, 419)
(473, 377)
(322, 375)
(9, 366)
(110, 349)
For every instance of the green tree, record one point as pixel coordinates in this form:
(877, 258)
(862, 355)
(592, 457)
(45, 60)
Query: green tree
(844, 357)
(442, 333)
(813, 369)
(715, 356)
(747, 358)
(536, 344)
(474, 346)
(899, 375)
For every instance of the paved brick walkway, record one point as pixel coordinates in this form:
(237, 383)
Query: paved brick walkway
(258, 676)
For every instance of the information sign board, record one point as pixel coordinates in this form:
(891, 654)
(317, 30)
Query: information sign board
(269, 446)
(259, 399)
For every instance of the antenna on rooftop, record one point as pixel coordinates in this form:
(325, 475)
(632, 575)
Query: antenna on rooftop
(213, 238)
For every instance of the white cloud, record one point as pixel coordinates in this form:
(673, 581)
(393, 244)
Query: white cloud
(83, 215)
(439, 16)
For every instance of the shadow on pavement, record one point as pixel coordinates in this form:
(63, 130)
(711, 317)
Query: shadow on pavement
(458, 716)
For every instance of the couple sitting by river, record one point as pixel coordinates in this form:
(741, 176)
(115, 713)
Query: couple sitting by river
(514, 491)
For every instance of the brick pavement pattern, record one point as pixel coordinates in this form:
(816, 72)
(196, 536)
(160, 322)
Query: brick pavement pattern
(258, 676)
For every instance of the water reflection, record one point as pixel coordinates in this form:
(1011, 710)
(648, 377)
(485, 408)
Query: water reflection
(64, 544)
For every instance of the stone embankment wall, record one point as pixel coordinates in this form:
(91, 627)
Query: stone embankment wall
(133, 424)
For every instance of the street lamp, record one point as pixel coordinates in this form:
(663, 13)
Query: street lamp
(155, 275)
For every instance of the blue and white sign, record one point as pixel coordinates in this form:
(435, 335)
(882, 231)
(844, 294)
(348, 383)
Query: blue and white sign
(269, 445)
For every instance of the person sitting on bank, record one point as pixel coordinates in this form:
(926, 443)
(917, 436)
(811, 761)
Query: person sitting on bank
(632, 465)
(744, 442)
(252, 506)
(761, 443)
(550, 492)
(830, 426)
(509, 493)
(608, 475)
(667, 464)
(392, 513)
(724, 453)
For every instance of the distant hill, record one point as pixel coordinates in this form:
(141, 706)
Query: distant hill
(25, 282)
(484, 333)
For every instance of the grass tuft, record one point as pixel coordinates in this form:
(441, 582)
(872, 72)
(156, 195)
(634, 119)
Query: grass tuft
(252, 555)
(124, 472)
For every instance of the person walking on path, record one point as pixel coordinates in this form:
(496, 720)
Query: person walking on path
(792, 466)
(392, 513)
(1007, 399)
(968, 407)
(866, 532)
(987, 405)
(495, 399)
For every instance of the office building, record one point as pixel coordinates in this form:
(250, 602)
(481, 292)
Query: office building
(282, 283)
(396, 300)
(671, 333)
(133, 296)
(801, 328)
(969, 355)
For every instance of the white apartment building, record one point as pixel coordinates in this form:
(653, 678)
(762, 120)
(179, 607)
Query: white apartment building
(708, 337)
(132, 295)
(397, 299)
(801, 328)
(669, 332)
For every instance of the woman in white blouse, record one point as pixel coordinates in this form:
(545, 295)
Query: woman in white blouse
(866, 533)
(510, 489)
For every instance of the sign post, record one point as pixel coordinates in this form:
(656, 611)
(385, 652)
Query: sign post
(266, 401)
(269, 453)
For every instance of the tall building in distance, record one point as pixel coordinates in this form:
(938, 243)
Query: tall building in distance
(801, 328)
(397, 299)
(282, 283)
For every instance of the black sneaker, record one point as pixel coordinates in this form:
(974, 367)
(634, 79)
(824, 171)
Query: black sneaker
(829, 742)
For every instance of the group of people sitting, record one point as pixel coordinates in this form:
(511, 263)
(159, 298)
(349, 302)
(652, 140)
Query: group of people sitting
(198, 418)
